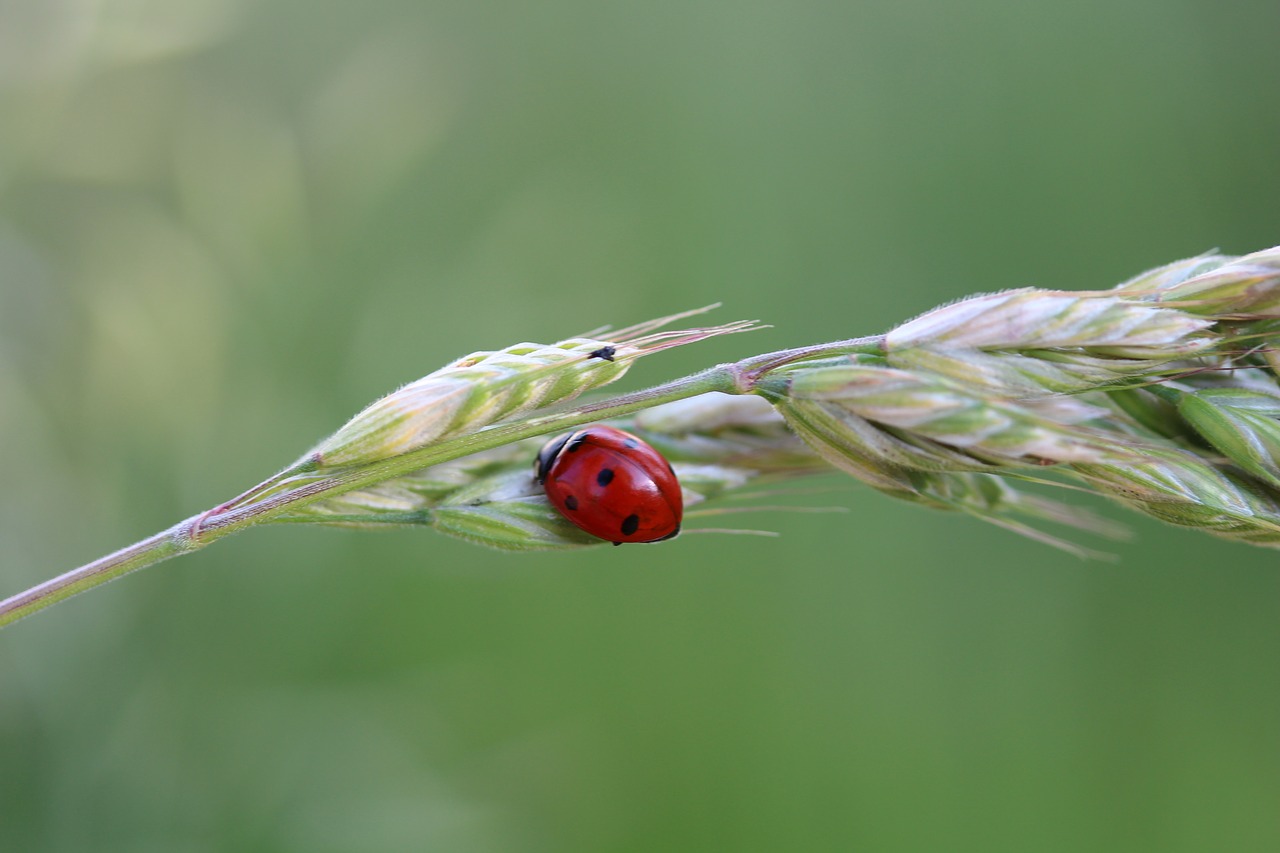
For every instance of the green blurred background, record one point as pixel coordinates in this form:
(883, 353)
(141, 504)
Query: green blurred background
(225, 226)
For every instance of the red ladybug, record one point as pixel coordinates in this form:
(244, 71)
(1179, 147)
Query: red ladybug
(611, 484)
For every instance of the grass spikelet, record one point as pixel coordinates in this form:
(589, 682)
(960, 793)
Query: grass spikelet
(1043, 319)
(1244, 288)
(1152, 281)
(1030, 374)
(1240, 424)
(929, 407)
(486, 387)
(1179, 487)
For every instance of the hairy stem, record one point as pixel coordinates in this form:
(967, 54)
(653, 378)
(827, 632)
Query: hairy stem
(169, 543)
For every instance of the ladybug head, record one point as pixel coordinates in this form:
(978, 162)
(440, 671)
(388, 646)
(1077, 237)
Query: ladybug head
(547, 455)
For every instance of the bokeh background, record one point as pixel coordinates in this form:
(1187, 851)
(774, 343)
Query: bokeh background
(225, 226)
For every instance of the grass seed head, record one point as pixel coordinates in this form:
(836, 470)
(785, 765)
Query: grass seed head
(1145, 284)
(989, 428)
(1247, 287)
(507, 511)
(1044, 319)
(486, 387)
(1242, 425)
(474, 391)
(1151, 413)
(1019, 375)
(720, 429)
(1180, 487)
(709, 413)
(853, 447)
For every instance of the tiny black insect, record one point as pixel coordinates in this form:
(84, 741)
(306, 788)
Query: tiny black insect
(605, 352)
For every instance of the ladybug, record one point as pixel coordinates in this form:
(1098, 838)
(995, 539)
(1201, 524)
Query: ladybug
(611, 484)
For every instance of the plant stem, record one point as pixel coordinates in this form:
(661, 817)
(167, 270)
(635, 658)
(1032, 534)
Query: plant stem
(169, 543)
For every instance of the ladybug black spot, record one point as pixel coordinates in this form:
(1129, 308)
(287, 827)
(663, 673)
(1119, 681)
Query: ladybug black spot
(570, 503)
(605, 477)
(630, 524)
(605, 353)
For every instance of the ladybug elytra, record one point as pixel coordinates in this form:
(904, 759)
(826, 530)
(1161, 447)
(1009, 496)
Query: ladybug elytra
(611, 484)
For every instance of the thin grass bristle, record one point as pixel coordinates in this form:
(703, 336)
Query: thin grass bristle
(658, 341)
(658, 322)
(738, 510)
(731, 531)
